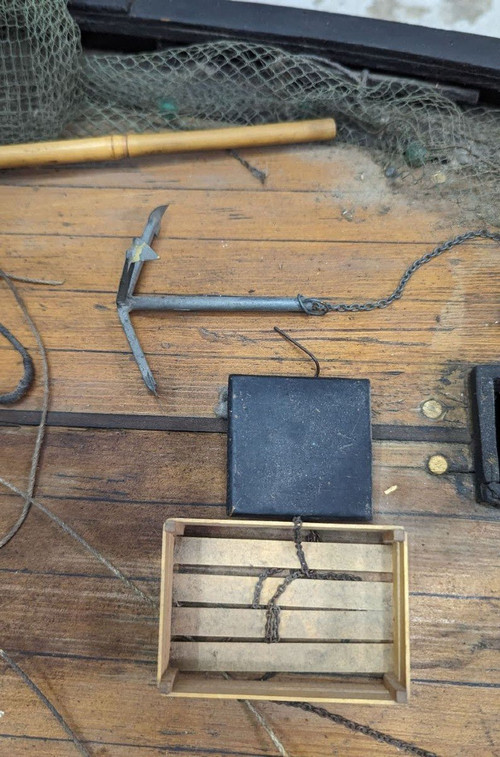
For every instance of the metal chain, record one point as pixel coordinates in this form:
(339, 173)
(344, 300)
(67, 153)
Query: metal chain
(316, 306)
(352, 725)
(273, 610)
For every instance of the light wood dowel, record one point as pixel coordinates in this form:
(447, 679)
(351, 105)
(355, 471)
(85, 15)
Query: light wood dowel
(117, 146)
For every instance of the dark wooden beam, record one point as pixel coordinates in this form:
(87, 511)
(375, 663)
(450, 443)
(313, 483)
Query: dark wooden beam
(380, 432)
(432, 54)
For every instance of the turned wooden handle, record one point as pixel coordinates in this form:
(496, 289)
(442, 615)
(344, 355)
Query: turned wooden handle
(117, 146)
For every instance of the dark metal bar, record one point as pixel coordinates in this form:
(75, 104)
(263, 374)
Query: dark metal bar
(214, 303)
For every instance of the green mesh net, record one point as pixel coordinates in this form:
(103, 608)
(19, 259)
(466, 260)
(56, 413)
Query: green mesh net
(39, 69)
(426, 143)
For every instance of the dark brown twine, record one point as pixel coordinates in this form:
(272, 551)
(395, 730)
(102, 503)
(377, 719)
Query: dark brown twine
(48, 704)
(8, 278)
(273, 610)
(24, 383)
(27, 496)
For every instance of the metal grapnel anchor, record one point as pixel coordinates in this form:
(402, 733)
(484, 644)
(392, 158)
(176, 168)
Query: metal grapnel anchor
(126, 301)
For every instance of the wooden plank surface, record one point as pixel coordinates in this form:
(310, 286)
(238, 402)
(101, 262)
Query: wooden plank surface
(422, 345)
(326, 223)
(261, 553)
(284, 687)
(352, 595)
(305, 168)
(192, 354)
(284, 657)
(105, 713)
(453, 637)
(330, 625)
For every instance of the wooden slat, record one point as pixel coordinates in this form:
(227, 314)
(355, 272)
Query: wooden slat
(161, 471)
(234, 266)
(453, 638)
(192, 685)
(282, 657)
(129, 531)
(244, 337)
(294, 624)
(403, 344)
(219, 527)
(304, 167)
(258, 553)
(242, 215)
(239, 590)
(189, 382)
(269, 266)
(398, 614)
(402, 582)
(165, 620)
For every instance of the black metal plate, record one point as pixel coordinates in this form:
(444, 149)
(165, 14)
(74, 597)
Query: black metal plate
(299, 446)
(485, 395)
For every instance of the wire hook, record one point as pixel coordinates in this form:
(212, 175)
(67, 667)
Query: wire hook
(301, 347)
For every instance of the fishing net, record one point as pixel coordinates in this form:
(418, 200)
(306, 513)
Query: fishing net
(39, 69)
(425, 141)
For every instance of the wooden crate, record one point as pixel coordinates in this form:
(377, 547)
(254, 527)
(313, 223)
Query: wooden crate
(340, 640)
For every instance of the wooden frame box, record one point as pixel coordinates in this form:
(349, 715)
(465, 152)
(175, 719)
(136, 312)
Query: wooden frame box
(341, 640)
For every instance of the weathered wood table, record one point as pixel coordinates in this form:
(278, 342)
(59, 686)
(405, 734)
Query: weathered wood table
(118, 462)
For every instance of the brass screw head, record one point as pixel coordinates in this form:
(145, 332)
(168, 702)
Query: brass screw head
(432, 409)
(437, 465)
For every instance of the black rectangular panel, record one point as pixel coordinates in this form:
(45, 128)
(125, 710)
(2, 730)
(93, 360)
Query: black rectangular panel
(299, 446)
(485, 391)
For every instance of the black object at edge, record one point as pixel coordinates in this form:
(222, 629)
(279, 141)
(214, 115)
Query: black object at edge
(485, 396)
(436, 55)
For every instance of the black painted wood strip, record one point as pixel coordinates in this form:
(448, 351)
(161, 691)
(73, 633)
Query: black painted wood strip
(380, 432)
